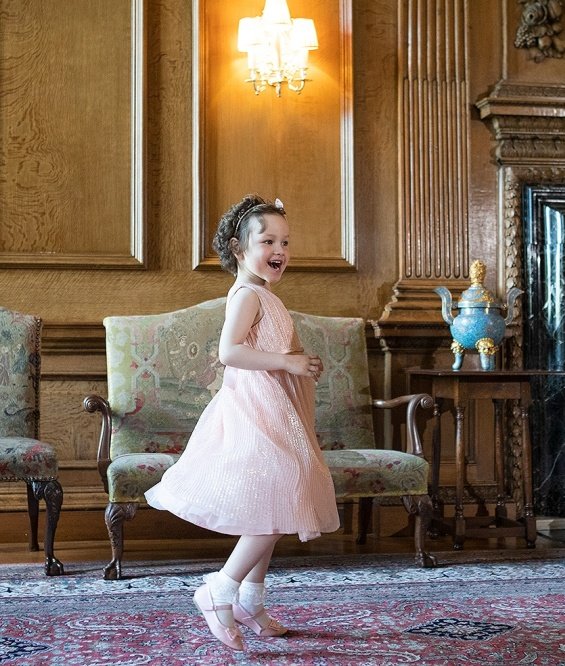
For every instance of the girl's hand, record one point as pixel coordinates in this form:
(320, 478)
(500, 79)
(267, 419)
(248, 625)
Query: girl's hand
(304, 365)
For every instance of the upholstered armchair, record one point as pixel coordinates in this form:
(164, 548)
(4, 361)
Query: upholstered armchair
(164, 369)
(23, 456)
(361, 468)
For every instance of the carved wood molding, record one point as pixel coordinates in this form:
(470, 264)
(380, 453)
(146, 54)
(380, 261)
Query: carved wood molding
(434, 158)
(76, 497)
(73, 352)
(72, 338)
(528, 123)
(541, 29)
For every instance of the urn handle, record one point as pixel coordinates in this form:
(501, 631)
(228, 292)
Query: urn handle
(446, 304)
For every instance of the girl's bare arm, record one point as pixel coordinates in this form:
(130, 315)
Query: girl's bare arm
(243, 311)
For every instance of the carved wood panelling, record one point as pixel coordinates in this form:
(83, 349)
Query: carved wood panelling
(66, 425)
(528, 123)
(296, 147)
(72, 133)
(434, 126)
(514, 180)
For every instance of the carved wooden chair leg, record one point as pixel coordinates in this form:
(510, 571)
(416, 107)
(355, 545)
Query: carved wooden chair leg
(33, 512)
(115, 515)
(364, 517)
(53, 496)
(52, 493)
(420, 506)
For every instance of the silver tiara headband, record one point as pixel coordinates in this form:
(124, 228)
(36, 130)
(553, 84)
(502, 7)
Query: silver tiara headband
(246, 211)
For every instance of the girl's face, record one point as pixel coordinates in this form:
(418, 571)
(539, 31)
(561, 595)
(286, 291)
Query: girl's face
(267, 253)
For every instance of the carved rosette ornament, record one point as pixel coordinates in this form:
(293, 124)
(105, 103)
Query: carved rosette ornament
(541, 29)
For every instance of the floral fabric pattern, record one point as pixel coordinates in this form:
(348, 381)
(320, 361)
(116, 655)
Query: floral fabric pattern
(22, 456)
(23, 459)
(130, 475)
(343, 399)
(363, 472)
(162, 371)
(19, 363)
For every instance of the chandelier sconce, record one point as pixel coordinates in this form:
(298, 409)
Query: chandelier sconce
(277, 47)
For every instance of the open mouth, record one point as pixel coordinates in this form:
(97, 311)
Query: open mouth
(275, 264)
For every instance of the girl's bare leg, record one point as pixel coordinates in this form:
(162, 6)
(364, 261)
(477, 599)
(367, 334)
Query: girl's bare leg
(251, 556)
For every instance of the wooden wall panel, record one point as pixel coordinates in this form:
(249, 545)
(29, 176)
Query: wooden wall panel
(295, 147)
(72, 431)
(68, 106)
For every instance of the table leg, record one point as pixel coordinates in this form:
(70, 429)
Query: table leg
(529, 517)
(500, 511)
(459, 532)
(437, 504)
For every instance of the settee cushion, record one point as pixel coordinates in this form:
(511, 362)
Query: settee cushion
(343, 398)
(374, 472)
(131, 474)
(26, 459)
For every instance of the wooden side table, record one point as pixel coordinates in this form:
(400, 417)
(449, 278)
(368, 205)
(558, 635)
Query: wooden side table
(462, 386)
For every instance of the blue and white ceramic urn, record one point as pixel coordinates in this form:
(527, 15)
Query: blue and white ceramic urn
(479, 324)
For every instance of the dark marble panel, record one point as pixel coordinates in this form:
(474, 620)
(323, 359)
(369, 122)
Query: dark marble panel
(544, 339)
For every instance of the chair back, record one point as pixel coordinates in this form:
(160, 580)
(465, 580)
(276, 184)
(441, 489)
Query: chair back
(343, 398)
(20, 337)
(162, 371)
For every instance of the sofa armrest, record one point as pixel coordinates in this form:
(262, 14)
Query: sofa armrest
(413, 401)
(95, 403)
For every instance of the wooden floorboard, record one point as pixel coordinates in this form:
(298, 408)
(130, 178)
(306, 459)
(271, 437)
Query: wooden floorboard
(157, 535)
(288, 546)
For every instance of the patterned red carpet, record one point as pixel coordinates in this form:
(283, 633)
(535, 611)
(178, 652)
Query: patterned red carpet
(363, 610)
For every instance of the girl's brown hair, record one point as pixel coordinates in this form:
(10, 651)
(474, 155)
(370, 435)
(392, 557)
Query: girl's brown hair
(235, 223)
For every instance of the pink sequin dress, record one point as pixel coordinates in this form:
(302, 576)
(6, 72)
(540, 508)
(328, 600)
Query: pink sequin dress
(252, 464)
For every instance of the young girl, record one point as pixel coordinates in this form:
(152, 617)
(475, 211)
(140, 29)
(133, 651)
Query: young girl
(252, 466)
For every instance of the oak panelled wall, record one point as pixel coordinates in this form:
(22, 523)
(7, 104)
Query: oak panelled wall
(126, 128)
(69, 106)
(276, 145)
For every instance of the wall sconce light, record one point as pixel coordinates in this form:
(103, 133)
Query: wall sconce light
(277, 47)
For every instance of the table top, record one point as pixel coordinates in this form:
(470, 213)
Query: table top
(487, 374)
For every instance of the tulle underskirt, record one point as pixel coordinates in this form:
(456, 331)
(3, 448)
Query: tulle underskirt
(159, 498)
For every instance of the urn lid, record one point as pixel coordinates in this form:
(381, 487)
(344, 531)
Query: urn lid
(478, 296)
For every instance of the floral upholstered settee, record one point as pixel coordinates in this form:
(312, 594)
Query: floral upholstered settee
(23, 456)
(164, 369)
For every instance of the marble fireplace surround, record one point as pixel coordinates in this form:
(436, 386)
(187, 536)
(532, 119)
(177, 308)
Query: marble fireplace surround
(528, 126)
